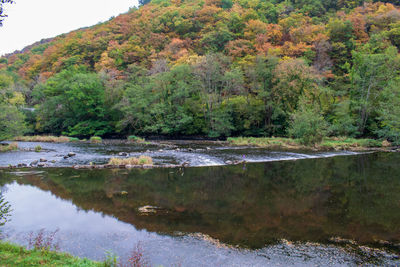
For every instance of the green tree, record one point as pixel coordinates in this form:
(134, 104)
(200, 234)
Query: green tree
(2, 14)
(216, 39)
(73, 104)
(389, 113)
(143, 2)
(11, 122)
(136, 102)
(11, 118)
(261, 76)
(5, 209)
(308, 124)
(370, 74)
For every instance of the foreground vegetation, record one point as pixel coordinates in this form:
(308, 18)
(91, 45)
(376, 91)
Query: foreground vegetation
(13, 255)
(336, 143)
(300, 69)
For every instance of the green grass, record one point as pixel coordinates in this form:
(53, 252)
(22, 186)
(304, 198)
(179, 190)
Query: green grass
(266, 142)
(13, 255)
(346, 143)
(332, 143)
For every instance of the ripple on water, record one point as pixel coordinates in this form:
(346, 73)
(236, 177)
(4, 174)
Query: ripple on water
(203, 154)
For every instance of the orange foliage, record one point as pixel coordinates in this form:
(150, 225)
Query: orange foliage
(255, 27)
(239, 48)
(175, 30)
(176, 49)
(359, 27)
(295, 50)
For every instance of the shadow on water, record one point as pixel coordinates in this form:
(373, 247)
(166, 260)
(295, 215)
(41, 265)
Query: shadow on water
(249, 206)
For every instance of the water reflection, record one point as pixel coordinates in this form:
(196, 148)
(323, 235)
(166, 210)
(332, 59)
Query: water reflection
(353, 197)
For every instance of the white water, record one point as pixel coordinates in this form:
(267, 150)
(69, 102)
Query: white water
(195, 154)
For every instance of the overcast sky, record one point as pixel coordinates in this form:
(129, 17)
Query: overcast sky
(32, 20)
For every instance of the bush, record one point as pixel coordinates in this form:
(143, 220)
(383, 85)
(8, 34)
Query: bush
(95, 139)
(38, 148)
(73, 139)
(308, 126)
(5, 210)
(134, 138)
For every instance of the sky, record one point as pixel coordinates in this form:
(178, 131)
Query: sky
(30, 21)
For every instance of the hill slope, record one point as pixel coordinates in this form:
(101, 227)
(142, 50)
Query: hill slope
(218, 68)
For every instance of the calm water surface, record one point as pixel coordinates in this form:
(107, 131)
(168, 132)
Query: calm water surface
(322, 211)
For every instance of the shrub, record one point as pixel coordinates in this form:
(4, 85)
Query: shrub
(73, 139)
(308, 125)
(5, 209)
(95, 139)
(111, 259)
(137, 257)
(38, 148)
(134, 138)
(43, 240)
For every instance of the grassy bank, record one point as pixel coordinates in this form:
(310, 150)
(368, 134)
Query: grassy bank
(10, 147)
(13, 255)
(333, 143)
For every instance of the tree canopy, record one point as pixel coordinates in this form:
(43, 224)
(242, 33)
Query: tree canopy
(2, 13)
(218, 68)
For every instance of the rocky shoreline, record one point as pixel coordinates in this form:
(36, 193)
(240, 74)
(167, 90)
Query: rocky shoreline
(109, 166)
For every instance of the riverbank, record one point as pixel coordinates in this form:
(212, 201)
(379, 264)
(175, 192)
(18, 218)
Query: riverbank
(279, 143)
(14, 255)
(328, 144)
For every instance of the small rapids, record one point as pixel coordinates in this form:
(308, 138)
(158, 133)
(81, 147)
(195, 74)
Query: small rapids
(196, 154)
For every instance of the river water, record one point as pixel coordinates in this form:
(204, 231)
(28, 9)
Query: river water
(278, 209)
(168, 152)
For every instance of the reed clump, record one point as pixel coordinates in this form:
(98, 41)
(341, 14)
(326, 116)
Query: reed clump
(43, 138)
(136, 139)
(11, 147)
(142, 160)
(95, 139)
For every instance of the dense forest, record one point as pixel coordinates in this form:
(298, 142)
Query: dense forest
(214, 68)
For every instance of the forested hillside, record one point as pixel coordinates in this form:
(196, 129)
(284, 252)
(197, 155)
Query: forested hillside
(214, 68)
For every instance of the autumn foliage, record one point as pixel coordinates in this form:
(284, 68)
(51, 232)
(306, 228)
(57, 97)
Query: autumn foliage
(260, 59)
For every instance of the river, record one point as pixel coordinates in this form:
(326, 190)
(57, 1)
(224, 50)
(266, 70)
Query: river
(278, 208)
